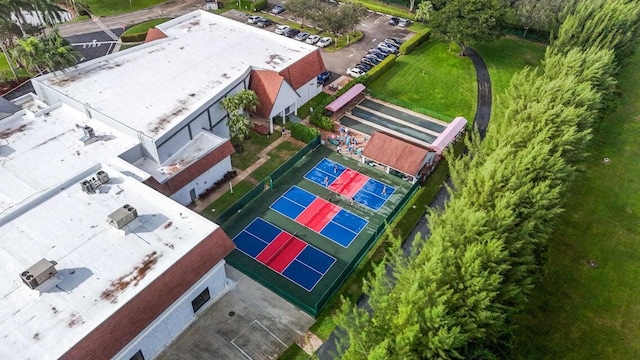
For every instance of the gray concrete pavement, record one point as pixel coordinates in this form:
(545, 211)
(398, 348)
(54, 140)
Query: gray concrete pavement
(248, 322)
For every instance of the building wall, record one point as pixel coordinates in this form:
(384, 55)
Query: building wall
(203, 182)
(287, 97)
(308, 91)
(186, 176)
(106, 340)
(175, 319)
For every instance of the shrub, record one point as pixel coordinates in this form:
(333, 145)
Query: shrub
(415, 41)
(218, 184)
(318, 119)
(380, 69)
(137, 37)
(303, 132)
(259, 5)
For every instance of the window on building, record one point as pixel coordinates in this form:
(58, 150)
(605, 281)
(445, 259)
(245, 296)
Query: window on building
(200, 300)
(138, 356)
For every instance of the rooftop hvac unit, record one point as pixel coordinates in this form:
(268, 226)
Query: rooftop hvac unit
(122, 216)
(87, 186)
(103, 176)
(40, 272)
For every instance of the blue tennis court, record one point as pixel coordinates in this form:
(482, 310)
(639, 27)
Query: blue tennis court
(284, 253)
(323, 217)
(350, 184)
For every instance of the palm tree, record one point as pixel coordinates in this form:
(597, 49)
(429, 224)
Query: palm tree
(52, 53)
(9, 31)
(238, 123)
(59, 54)
(248, 100)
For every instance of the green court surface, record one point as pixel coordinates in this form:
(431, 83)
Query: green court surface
(346, 258)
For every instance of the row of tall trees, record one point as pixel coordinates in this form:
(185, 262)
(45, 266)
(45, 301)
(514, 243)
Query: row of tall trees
(456, 295)
(327, 16)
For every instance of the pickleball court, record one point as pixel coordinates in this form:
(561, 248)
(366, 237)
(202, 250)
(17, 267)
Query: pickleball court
(284, 253)
(323, 217)
(350, 183)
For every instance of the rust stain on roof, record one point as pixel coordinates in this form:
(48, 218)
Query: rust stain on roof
(134, 277)
(75, 319)
(5, 134)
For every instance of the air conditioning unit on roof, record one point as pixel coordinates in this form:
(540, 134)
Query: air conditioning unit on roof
(123, 216)
(38, 273)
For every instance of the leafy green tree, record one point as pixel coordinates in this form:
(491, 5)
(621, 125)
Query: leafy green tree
(339, 19)
(236, 106)
(423, 13)
(303, 9)
(9, 32)
(605, 24)
(52, 53)
(466, 21)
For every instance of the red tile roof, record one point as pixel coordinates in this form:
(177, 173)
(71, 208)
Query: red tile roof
(397, 153)
(266, 84)
(154, 34)
(305, 69)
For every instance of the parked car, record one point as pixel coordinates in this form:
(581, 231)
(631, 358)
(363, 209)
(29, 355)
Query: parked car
(355, 72)
(394, 41)
(254, 19)
(363, 67)
(384, 50)
(404, 22)
(312, 39)
(278, 9)
(373, 59)
(302, 36)
(291, 32)
(265, 22)
(324, 42)
(379, 55)
(280, 29)
(368, 61)
(394, 21)
(324, 77)
(391, 48)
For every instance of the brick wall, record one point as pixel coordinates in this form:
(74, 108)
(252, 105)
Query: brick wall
(124, 325)
(194, 170)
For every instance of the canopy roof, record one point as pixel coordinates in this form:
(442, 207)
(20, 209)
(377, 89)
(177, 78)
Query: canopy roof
(344, 99)
(396, 153)
(449, 134)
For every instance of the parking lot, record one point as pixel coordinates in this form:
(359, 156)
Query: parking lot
(374, 27)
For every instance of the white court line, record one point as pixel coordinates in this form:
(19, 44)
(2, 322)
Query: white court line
(285, 345)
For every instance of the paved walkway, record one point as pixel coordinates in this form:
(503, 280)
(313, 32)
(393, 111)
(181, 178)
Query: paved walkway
(329, 349)
(263, 157)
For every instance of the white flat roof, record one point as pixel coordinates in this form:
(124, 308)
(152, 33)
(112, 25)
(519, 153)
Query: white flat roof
(153, 87)
(38, 153)
(99, 269)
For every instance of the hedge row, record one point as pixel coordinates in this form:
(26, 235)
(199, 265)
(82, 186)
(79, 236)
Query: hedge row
(259, 5)
(380, 69)
(302, 132)
(415, 41)
(137, 37)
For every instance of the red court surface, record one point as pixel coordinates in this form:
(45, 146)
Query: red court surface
(348, 183)
(281, 251)
(318, 214)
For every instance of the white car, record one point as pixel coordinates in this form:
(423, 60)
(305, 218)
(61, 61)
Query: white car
(312, 39)
(324, 42)
(254, 19)
(281, 29)
(355, 72)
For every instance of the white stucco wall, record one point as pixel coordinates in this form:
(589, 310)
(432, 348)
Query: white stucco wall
(177, 317)
(308, 91)
(203, 182)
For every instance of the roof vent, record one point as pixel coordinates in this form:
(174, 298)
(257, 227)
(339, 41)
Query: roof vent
(91, 185)
(38, 273)
(89, 134)
(123, 216)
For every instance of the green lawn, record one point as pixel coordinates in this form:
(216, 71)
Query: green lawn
(580, 312)
(114, 7)
(252, 148)
(227, 199)
(145, 26)
(431, 80)
(5, 71)
(278, 156)
(504, 58)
